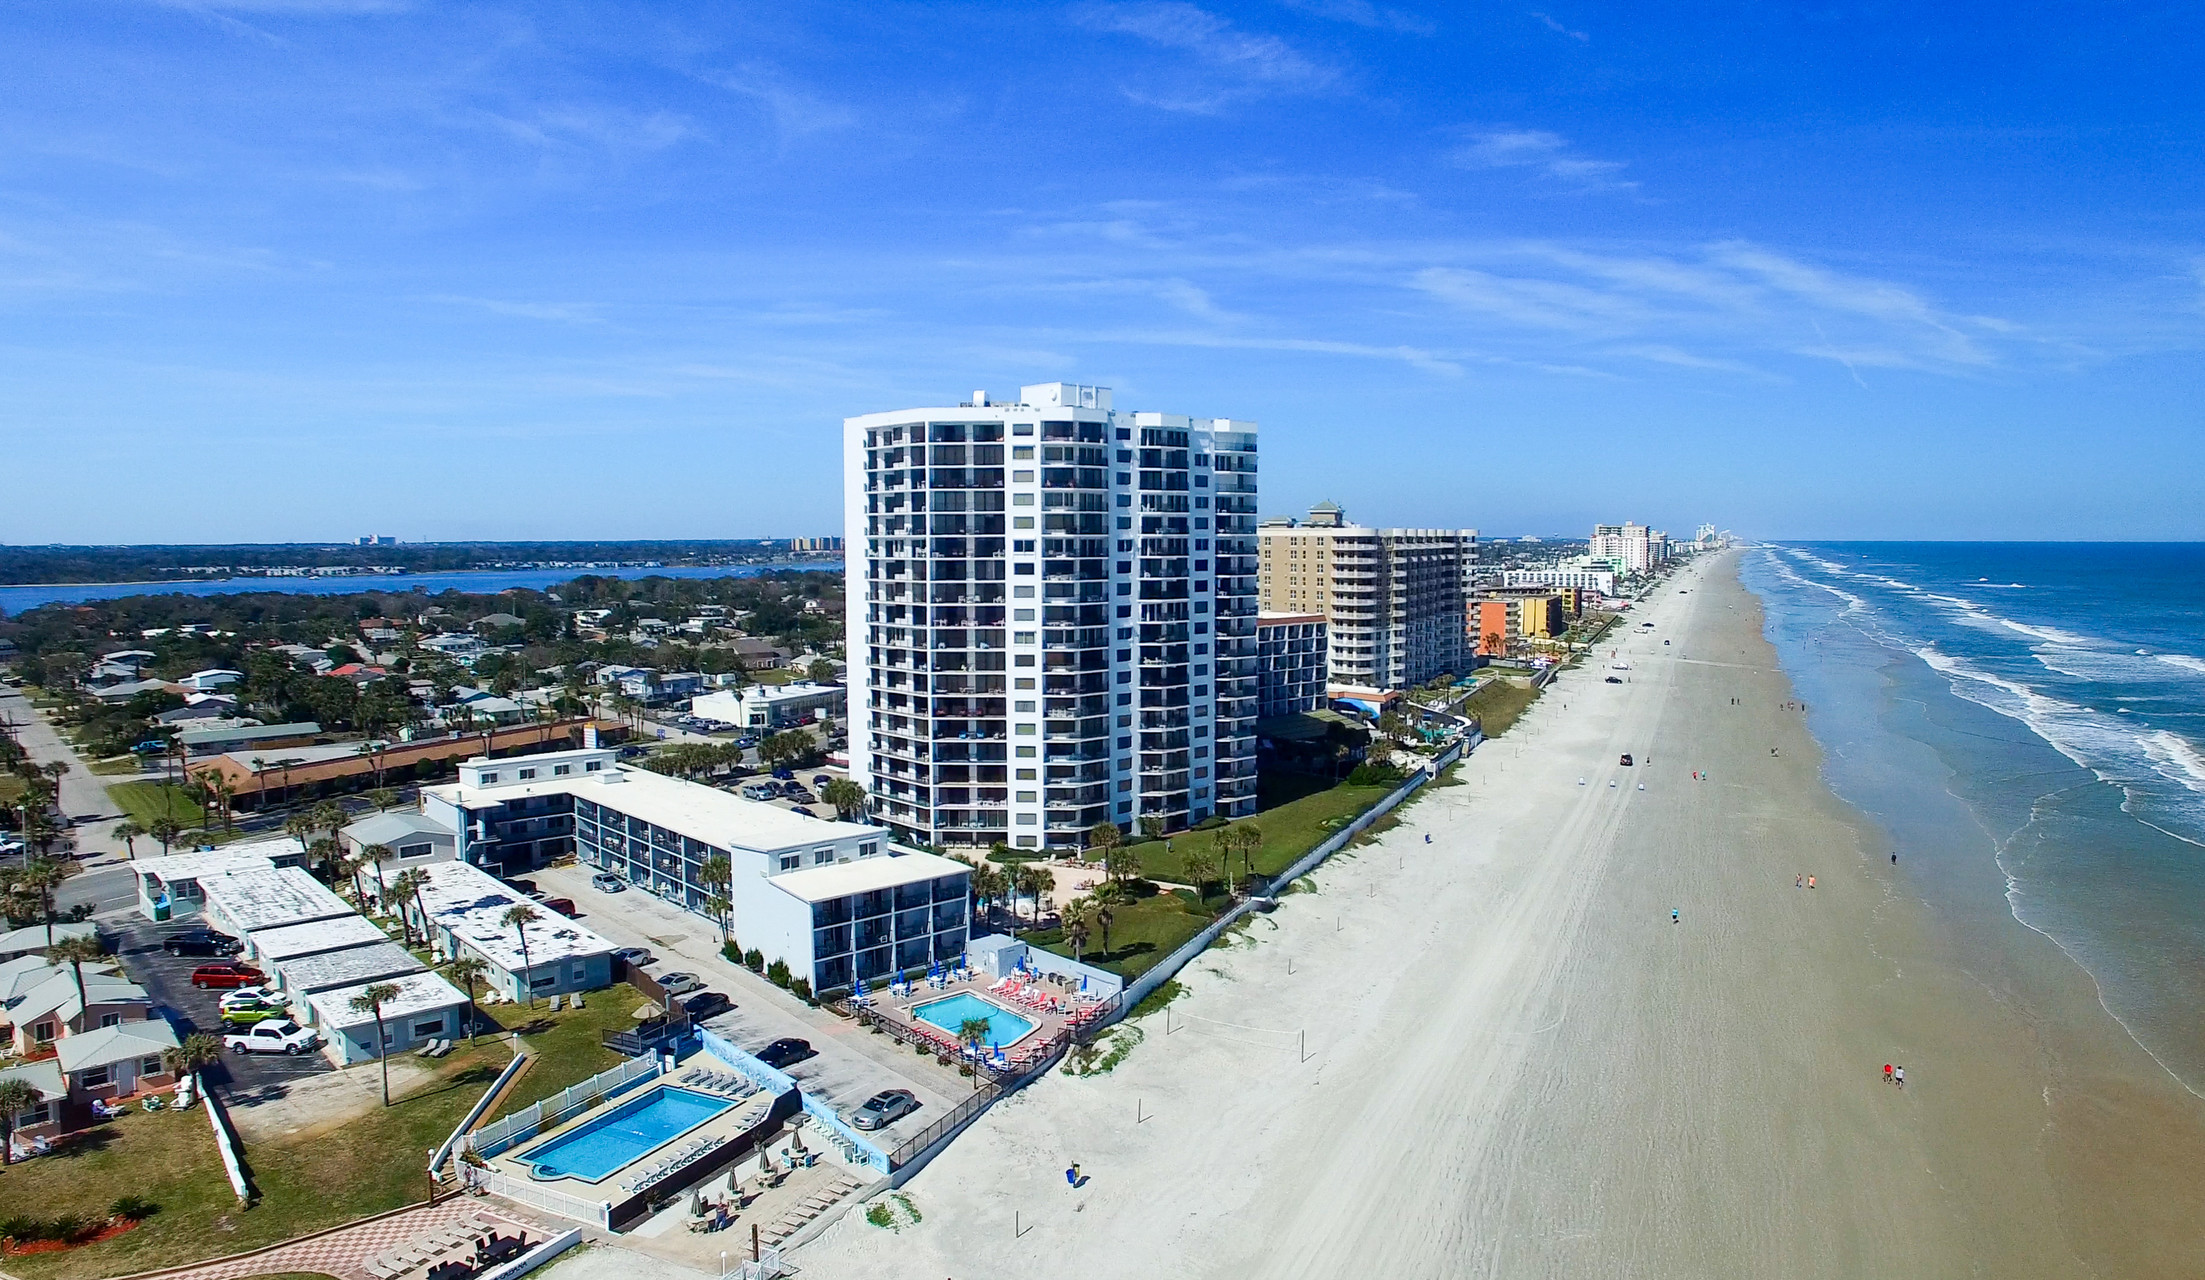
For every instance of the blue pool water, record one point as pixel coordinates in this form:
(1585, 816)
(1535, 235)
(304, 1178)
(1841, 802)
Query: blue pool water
(624, 1134)
(1003, 1025)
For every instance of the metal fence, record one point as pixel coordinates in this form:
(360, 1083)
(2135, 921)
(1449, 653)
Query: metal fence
(768, 1267)
(539, 1116)
(909, 1148)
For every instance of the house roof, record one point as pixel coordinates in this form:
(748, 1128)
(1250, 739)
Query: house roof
(127, 690)
(119, 1043)
(418, 993)
(351, 967)
(472, 904)
(203, 862)
(292, 941)
(390, 828)
(44, 1076)
(56, 993)
(840, 880)
(31, 939)
(256, 733)
(254, 899)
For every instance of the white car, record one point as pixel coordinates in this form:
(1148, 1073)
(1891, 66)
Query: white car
(277, 1035)
(1619, 666)
(245, 997)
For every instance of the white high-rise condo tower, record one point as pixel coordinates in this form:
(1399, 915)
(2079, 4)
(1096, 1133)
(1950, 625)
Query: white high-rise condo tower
(1052, 617)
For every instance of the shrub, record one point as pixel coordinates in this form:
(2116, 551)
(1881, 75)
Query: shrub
(1373, 775)
(733, 950)
(21, 1227)
(134, 1208)
(777, 973)
(801, 988)
(754, 960)
(1211, 823)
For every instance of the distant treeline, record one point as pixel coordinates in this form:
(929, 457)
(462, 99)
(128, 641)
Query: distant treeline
(159, 563)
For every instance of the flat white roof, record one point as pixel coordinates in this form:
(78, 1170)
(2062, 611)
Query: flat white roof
(261, 899)
(354, 966)
(192, 866)
(824, 884)
(289, 942)
(471, 903)
(718, 818)
(280, 847)
(418, 993)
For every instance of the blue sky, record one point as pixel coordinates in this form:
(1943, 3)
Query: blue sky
(300, 269)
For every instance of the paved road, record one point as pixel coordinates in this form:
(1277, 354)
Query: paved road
(109, 888)
(83, 793)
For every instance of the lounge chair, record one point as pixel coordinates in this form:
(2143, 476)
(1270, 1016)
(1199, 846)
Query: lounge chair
(558, 1003)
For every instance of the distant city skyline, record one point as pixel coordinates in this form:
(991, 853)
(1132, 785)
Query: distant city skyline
(284, 270)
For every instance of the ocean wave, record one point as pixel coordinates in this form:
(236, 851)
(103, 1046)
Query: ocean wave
(2182, 660)
(1853, 603)
(2178, 757)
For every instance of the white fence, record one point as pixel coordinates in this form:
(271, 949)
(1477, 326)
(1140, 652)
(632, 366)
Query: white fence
(768, 1267)
(1163, 970)
(539, 1116)
(597, 1213)
(224, 1141)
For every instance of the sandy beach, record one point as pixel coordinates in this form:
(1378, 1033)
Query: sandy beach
(1494, 1054)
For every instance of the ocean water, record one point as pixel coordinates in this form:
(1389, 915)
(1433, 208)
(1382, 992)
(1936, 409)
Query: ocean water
(2027, 723)
(18, 599)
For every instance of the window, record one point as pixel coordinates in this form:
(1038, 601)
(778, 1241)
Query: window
(561, 770)
(111, 1019)
(406, 851)
(526, 774)
(593, 766)
(869, 848)
(791, 861)
(489, 778)
(1022, 452)
(1022, 522)
(93, 1077)
(548, 980)
(150, 1065)
(822, 857)
(428, 1027)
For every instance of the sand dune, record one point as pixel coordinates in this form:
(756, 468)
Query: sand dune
(1516, 1065)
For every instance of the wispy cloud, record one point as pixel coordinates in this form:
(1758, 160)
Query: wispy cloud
(1556, 27)
(1239, 64)
(1547, 154)
(796, 110)
(561, 312)
(1365, 14)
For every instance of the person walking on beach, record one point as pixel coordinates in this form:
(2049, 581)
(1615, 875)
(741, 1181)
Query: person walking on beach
(1894, 857)
(1898, 1074)
(1672, 915)
(1887, 1073)
(1810, 882)
(1800, 882)
(1072, 1175)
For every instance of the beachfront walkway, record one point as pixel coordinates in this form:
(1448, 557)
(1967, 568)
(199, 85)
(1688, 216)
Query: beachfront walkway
(344, 1253)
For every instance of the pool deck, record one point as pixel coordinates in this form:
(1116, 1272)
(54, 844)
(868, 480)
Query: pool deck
(728, 1125)
(1061, 1010)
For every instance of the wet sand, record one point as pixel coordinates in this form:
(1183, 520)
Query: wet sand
(1517, 1065)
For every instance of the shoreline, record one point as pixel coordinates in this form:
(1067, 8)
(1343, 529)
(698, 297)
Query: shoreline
(1516, 1064)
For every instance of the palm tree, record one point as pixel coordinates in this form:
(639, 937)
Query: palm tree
(1152, 827)
(972, 1033)
(846, 796)
(128, 832)
(404, 889)
(519, 916)
(372, 1001)
(74, 952)
(467, 971)
(1247, 838)
(303, 828)
(1103, 916)
(197, 1051)
(1121, 864)
(331, 817)
(1201, 865)
(16, 1097)
(382, 798)
(719, 884)
(1076, 926)
(260, 780)
(1102, 838)
(35, 884)
(1032, 881)
(374, 855)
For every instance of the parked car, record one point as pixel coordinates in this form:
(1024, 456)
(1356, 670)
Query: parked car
(885, 1108)
(800, 796)
(786, 1050)
(1665, 642)
(564, 906)
(1615, 679)
(707, 1004)
(636, 957)
(201, 942)
(246, 997)
(820, 780)
(275, 1036)
(607, 882)
(761, 791)
(785, 774)
(245, 1015)
(1626, 761)
(227, 974)
(680, 983)
(746, 742)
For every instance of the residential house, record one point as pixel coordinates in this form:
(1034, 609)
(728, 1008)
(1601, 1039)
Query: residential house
(413, 838)
(463, 910)
(212, 678)
(759, 655)
(33, 939)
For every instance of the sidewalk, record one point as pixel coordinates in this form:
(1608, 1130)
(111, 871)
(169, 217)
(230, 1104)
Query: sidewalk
(83, 792)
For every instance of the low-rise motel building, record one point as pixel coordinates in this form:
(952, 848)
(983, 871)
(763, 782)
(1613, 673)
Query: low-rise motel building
(837, 902)
(1498, 616)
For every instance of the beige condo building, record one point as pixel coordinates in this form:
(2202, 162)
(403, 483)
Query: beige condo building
(1392, 598)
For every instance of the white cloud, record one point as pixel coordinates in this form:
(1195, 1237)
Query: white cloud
(1556, 27)
(1548, 154)
(1242, 64)
(1365, 14)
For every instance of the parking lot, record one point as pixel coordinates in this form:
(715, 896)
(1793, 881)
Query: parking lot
(852, 1064)
(244, 1078)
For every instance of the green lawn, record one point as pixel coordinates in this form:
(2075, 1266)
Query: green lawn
(11, 789)
(145, 801)
(115, 766)
(1497, 705)
(317, 1180)
(1142, 932)
(1290, 829)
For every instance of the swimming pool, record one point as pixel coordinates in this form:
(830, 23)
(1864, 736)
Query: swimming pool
(623, 1135)
(1003, 1025)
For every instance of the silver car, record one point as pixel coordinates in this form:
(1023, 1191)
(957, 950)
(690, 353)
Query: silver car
(885, 1108)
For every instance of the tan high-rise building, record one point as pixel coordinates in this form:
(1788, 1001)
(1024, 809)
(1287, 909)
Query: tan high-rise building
(1392, 598)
